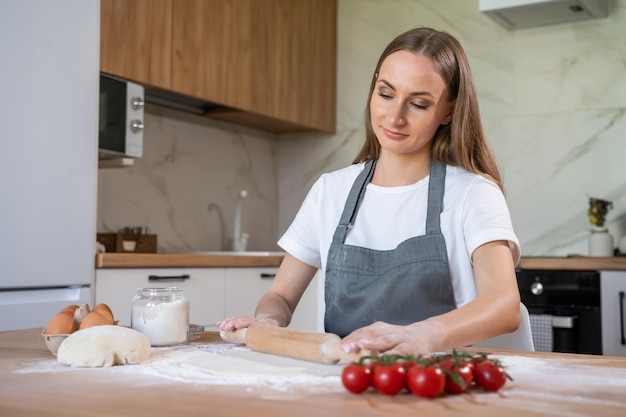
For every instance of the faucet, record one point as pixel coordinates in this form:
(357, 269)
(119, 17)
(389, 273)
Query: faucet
(240, 240)
(223, 236)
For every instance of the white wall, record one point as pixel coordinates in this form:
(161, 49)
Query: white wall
(553, 101)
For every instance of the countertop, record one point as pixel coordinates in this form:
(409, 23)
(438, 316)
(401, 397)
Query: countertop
(545, 384)
(272, 259)
(187, 260)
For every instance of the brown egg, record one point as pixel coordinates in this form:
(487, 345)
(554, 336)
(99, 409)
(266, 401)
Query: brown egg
(70, 309)
(104, 310)
(62, 323)
(93, 319)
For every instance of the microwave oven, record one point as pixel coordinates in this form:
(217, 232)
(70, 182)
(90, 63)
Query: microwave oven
(121, 118)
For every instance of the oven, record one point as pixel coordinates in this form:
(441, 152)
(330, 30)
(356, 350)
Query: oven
(564, 308)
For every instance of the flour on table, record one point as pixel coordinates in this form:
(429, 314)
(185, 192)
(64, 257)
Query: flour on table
(563, 381)
(240, 366)
(219, 365)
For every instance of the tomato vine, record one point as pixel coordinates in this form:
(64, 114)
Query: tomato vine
(425, 376)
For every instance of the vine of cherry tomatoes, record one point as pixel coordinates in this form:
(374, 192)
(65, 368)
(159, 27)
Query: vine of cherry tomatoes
(428, 377)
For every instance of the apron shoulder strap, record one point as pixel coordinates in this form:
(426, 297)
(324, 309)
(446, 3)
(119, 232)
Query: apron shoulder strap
(436, 189)
(352, 203)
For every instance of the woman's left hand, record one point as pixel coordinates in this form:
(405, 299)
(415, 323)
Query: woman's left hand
(418, 338)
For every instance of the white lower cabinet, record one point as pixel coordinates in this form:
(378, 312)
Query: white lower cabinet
(613, 296)
(245, 286)
(204, 287)
(213, 293)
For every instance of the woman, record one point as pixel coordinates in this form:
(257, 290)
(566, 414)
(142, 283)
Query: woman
(415, 237)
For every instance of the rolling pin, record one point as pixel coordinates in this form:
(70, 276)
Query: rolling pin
(297, 344)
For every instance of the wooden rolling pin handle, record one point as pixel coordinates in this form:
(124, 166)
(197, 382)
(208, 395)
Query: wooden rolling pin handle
(292, 343)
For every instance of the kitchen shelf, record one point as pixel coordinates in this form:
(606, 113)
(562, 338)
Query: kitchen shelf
(187, 260)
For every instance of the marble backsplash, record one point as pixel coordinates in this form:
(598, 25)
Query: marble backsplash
(553, 102)
(185, 185)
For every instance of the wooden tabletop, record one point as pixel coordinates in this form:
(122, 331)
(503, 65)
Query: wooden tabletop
(545, 384)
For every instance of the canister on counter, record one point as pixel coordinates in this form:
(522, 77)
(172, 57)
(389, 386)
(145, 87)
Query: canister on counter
(162, 314)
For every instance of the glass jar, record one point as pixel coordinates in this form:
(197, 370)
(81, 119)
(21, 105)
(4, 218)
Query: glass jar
(162, 314)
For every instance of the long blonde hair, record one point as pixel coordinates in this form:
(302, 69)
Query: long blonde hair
(462, 141)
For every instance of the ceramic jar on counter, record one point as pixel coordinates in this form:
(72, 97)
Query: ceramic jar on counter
(601, 242)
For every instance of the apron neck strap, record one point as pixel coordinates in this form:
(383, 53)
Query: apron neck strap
(436, 185)
(436, 189)
(353, 201)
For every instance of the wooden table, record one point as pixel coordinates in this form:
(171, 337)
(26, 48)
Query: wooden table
(545, 384)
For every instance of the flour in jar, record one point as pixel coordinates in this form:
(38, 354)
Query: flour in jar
(162, 314)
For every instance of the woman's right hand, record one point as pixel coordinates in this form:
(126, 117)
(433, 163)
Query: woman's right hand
(231, 324)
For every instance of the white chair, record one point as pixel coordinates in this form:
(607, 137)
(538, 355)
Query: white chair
(521, 339)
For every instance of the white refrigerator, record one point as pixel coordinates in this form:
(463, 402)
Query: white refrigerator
(49, 93)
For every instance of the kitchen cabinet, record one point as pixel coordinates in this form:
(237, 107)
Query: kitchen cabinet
(245, 286)
(269, 64)
(213, 293)
(276, 59)
(136, 40)
(204, 287)
(613, 291)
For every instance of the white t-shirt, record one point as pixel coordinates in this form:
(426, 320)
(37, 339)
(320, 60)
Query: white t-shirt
(474, 213)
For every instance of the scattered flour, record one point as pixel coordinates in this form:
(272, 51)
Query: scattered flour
(541, 384)
(219, 364)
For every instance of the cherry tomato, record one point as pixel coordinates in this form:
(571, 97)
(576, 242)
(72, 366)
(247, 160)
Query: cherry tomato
(389, 379)
(426, 381)
(489, 375)
(459, 376)
(356, 378)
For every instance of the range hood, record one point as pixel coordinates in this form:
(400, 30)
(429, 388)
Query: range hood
(520, 14)
(188, 104)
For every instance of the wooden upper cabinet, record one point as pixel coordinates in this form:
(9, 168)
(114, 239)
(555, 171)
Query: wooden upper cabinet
(305, 62)
(275, 60)
(136, 40)
(202, 50)
(269, 64)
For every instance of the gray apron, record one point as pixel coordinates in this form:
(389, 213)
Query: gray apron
(400, 286)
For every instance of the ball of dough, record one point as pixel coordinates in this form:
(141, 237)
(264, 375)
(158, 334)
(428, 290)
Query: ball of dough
(106, 345)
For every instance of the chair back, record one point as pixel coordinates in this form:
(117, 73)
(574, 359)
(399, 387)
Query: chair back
(521, 339)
